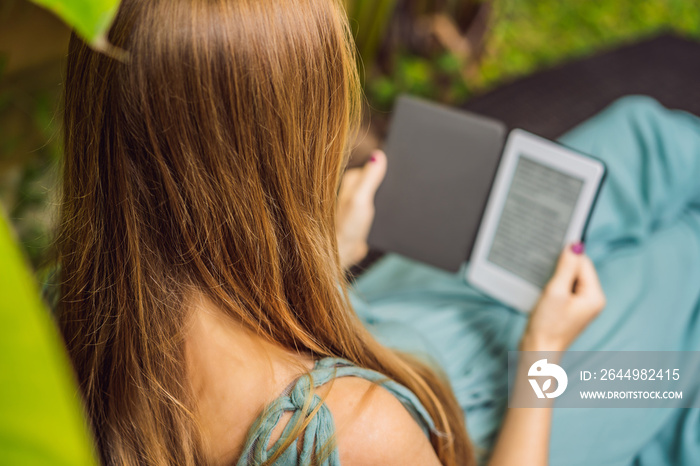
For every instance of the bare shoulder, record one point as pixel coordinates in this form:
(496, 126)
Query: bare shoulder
(373, 427)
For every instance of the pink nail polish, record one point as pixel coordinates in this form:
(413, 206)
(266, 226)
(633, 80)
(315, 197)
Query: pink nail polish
(578, 248)
(373, 158)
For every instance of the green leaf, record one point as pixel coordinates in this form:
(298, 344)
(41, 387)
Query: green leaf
(41, 420)
(91, 19)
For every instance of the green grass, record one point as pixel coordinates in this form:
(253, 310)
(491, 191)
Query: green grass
(527, 35)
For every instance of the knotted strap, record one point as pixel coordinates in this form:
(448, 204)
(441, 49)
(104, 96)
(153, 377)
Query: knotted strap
(320, 429)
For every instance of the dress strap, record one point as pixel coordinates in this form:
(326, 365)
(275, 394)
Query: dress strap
(336, 367)
(318, 434)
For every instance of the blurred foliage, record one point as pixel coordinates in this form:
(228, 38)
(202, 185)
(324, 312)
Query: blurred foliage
(369, 21)
(438, 78)
(522, 37)
(527, 35)
(415, 46)
(386, 24)
(28, 185)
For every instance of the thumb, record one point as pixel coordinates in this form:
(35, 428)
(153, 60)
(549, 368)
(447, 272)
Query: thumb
(372, 175)
(567, 270)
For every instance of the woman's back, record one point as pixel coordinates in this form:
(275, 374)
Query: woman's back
(251, 392)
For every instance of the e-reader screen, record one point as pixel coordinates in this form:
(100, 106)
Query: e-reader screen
(534, 221)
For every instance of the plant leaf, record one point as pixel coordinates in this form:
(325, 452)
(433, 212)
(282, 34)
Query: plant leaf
(41, 419)
(91, 19)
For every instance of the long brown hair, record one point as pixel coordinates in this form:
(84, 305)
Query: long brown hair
(209, 161)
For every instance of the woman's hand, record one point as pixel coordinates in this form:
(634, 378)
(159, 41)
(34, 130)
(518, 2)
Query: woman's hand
(569, 302)
(356, 208)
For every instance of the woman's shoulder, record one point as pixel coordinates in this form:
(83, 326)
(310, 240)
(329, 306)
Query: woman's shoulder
(373, 427)
(369, 419)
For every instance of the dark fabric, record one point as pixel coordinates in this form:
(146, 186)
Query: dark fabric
(551, 102)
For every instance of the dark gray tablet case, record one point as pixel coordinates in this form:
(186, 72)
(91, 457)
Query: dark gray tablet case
(442, 163)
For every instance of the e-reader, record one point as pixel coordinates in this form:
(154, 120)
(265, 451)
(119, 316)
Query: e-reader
(540, 201)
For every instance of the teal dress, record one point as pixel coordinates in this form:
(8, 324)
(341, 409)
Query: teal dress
(644, 238)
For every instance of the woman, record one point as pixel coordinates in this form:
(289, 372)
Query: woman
(203, 300)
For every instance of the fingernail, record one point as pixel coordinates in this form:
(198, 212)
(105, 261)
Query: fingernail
(373, 158)
(578, 248)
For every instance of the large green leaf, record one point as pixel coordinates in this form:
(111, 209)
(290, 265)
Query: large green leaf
(41, 420)
(90, 18)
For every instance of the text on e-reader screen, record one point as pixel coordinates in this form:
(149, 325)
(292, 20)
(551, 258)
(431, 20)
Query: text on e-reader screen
(534, 221)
